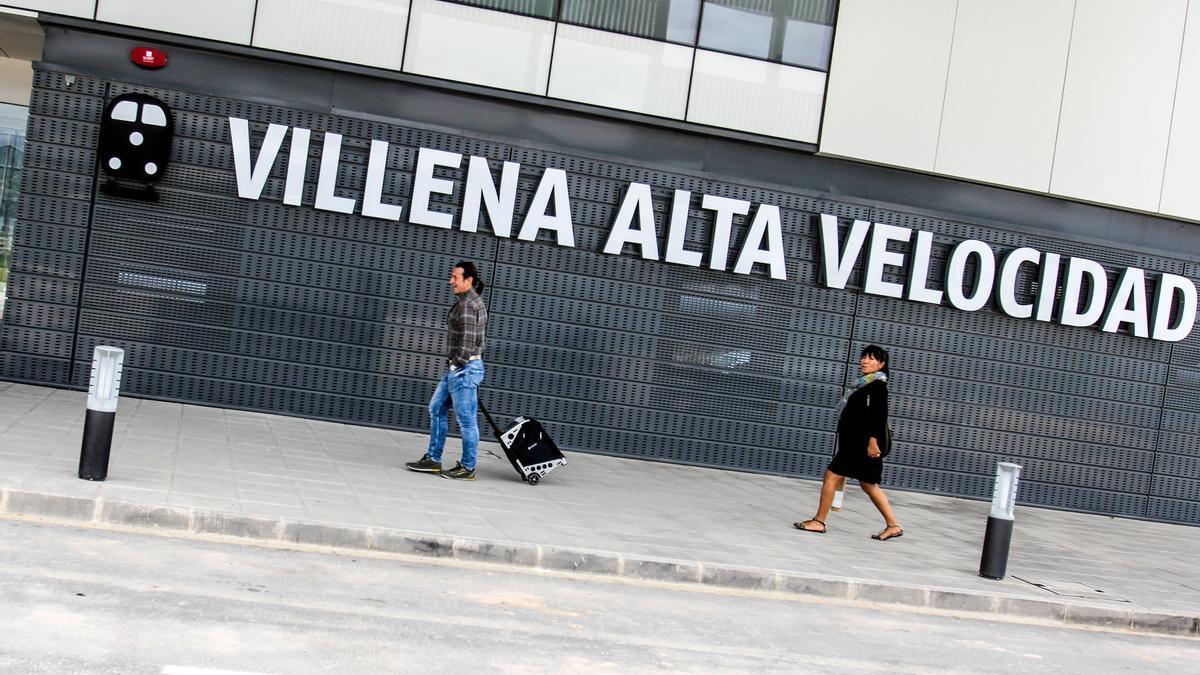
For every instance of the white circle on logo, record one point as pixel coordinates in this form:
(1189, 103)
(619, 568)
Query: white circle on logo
(114, 163)
(136, 138)
(151, 168)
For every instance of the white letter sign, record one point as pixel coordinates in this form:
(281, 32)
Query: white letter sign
(552, 187)
(766, 226)
(424, 185)
(636, 203)
(250, 182)
(836, 266)
(1070, 314)
(1164, 300)
(956, 271)
(878, 257)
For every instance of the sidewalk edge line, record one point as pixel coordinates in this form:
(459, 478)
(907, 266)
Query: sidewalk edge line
(582, 561)
(140, 514)
(673, 571)
(45, 505)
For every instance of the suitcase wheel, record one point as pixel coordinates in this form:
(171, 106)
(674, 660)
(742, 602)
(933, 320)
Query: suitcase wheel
(533, 479)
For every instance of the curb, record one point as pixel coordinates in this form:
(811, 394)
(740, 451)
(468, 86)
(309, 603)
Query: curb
(100, 510)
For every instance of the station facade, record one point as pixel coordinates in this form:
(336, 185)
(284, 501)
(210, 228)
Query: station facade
(692, 217)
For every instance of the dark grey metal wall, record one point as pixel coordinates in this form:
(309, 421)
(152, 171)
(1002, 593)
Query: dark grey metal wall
(258, 305)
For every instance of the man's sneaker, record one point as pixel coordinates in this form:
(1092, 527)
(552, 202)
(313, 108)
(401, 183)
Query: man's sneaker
(424, 465)
(459, 472)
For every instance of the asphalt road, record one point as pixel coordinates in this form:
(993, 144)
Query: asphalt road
(76, 600)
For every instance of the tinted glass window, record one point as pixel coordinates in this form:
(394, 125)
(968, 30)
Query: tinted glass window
(542, 8)
(807, 44)
(671, 20)
(796, 32)
(13, 120)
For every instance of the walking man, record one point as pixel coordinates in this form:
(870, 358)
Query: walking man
(467, 323)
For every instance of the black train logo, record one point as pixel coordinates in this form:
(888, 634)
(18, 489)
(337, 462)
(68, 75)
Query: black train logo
(135, 142)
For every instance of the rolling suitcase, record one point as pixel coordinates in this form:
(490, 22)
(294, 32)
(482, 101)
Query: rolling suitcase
(529, 448)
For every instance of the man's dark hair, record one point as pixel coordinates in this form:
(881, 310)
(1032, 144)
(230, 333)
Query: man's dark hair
(879, 354)
(470, 272)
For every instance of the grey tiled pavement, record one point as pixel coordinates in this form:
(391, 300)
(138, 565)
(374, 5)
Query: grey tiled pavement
(199, 469)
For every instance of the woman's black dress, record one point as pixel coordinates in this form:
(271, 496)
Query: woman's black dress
(864, 416)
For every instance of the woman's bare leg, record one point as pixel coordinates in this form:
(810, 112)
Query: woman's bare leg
(839, 493)
(828, 487)
(880, 500)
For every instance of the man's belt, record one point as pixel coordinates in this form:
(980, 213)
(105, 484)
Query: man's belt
(454, 367)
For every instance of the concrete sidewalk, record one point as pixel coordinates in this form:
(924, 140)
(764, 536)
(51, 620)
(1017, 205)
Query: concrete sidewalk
(206, 470)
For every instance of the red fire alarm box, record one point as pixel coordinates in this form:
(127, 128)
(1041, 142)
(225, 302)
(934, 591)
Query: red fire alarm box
(148, 57)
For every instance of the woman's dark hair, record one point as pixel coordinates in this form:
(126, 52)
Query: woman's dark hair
(879, 354)
(470, 272)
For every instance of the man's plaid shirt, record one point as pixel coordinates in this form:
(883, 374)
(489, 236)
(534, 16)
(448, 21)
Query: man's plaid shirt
(468, 324)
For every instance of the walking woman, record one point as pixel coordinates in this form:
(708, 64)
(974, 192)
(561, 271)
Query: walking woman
(862, 438)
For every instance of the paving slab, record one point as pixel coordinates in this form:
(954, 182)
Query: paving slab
(195, 469)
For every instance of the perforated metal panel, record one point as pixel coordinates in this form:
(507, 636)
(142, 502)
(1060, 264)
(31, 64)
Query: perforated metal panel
(257, 305)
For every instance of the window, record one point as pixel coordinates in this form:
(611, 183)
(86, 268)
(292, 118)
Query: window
(669, 20)
(796, 32)
(13, 119)
(539, 8)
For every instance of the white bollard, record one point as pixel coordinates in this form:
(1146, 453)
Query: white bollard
(998, 536)
(105, 387)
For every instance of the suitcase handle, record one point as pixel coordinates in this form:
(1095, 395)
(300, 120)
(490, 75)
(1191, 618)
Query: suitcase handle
(488, 415)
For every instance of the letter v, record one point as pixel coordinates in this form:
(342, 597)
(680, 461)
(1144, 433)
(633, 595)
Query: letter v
(250, 182)
(837, 267)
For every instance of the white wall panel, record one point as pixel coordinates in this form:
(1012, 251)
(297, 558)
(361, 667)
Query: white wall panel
(620, 71)
(1117, 98)
(21, 35)
(1181, 181)
(887, 80)
(1004, 90)
(16, 81)
(224, 20)
(81, 8)
(763, 98)
(368, 32)
(481, 46)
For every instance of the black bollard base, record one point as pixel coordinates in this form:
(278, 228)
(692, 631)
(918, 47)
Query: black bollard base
(996, 540)
(97, 441)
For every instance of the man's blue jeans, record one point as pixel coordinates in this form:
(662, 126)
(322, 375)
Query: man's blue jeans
(460, 388)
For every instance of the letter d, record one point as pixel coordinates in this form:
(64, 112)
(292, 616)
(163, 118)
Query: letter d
(1164, 301)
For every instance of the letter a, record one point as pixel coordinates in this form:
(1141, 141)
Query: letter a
(644, 236)
(766, 226)
(552, 186)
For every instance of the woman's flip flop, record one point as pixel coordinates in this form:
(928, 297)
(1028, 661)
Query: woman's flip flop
(883, 536)
(800, 526)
